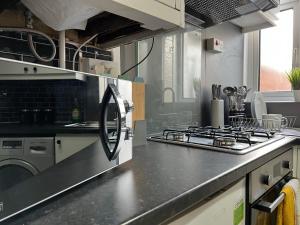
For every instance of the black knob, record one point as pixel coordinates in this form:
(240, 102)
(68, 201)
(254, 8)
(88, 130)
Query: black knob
(25, 69)
(58, 142)
(286, 165)
(34, 69)
(266, 179)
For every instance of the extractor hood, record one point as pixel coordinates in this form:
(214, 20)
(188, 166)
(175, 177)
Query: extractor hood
(206, 13)
(18, 70)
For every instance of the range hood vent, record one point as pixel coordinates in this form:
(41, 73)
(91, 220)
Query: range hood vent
(206, 13)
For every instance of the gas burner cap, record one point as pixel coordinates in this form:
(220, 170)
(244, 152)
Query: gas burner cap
(177, 136)
(243, 134)
(224, 141)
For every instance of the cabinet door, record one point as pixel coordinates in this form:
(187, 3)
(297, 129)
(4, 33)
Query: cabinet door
(68, 144)
(171, 3)
(152, 14)
(227, 208)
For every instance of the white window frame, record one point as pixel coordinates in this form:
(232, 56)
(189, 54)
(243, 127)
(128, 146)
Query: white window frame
(251, 71)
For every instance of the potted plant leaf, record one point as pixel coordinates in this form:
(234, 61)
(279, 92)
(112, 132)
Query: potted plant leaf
(294, 78)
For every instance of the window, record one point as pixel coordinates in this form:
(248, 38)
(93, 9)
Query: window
(191, 64)
(176, 59)
(169, 68)
(276, 54)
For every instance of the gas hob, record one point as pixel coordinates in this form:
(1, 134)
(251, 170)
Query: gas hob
(230, 140)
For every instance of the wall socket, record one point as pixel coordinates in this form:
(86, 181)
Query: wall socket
(214, 45)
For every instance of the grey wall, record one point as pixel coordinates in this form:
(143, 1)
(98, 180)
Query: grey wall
(223, 68)
(175, 111)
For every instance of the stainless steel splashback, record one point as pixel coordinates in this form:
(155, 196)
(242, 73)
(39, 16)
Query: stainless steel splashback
(205, 13)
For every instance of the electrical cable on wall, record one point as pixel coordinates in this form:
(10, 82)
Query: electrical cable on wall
(126, 71)
(78, 49)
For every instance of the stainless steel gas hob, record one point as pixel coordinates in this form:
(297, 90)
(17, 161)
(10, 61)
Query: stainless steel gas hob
(231, 140)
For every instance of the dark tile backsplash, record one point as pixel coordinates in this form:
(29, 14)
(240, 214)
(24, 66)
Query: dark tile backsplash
(58, 95)
(15, 46)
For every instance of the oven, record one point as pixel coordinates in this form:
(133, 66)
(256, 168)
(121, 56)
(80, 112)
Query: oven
(264, 186)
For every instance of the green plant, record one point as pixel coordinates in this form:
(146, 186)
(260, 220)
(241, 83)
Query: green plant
(294, 78)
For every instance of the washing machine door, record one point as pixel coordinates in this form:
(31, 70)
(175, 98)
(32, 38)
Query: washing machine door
(14, 171)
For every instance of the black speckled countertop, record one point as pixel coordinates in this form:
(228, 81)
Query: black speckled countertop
(161, 181)
(42, 130)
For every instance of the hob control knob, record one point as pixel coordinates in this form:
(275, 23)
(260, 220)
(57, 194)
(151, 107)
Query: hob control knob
(286, 165)
(266, 179)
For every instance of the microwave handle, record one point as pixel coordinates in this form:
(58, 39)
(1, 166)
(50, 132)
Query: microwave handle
(267, 206)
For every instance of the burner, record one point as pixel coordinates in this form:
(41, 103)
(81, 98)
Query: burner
(244, 135)
(178, 136)
(233, 140)
(224, 141)
(175, 136)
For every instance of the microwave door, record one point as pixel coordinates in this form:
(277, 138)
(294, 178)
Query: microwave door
(112, 122)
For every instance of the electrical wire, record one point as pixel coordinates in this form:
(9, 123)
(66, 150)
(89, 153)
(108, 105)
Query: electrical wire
(126, 71)
(30, 41)
(78, 49)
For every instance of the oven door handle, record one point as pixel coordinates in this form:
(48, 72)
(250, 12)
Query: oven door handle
(267, 206)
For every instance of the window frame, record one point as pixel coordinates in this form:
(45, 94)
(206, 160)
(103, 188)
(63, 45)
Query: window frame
(251, 74)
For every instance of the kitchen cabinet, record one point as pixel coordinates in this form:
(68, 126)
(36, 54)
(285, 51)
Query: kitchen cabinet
(152, 14)
(226, 208)
(255, 21)
(171, 3)
(68, 144)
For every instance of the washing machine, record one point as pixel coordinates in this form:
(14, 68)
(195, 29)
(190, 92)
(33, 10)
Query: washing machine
(24, 157)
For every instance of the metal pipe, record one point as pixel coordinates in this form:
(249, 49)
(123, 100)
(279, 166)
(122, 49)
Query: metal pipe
(62, 49)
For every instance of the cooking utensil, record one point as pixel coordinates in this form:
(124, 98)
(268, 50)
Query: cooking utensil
(229, 91)
(219, 92)
(214, 91)
(242, 91)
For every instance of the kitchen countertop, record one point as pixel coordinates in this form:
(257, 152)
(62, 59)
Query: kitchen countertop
(161, 181)
(42, 130)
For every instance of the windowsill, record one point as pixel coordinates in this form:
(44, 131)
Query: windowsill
(276, 97)
(276, 101)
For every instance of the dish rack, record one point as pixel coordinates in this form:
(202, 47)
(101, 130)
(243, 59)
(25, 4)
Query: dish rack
(265, 124)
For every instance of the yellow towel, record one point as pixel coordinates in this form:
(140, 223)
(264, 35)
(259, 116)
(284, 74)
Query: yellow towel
(286, 210)
(294, 183)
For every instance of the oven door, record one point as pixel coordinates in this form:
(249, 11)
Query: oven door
(264, 210)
